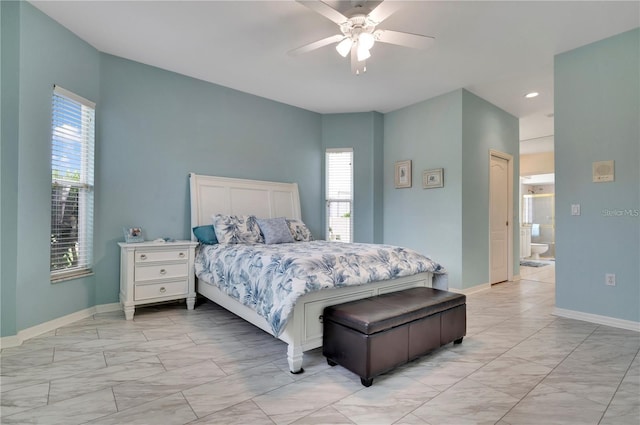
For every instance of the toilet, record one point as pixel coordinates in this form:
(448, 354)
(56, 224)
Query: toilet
(537, 249)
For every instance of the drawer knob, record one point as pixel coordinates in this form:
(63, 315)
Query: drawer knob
(181, 255)
(163, 271)
(163, 290)
(143, 256)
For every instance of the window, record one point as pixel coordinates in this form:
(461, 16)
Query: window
(72, 158)
(339, 194)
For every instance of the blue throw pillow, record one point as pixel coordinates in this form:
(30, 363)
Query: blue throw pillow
(275, 230)
(205, 234)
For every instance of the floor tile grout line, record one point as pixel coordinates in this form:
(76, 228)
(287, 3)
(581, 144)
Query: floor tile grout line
(585, 343)
(618, 387)
(181, 391)
(485, 364)
(456, 383)
(190, 407)
(547, 375)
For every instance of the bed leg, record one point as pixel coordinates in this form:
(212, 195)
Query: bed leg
(294, 356)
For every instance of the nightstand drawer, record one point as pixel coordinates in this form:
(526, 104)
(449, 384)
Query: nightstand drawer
(152, 256)
(157, 290)
(161, 271)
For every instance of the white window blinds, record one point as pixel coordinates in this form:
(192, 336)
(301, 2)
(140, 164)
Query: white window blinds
(72, 159)
(339, 194)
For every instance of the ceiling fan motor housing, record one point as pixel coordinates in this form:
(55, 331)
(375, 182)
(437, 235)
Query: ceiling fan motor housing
(356, 25)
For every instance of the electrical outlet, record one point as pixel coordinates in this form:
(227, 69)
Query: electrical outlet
(610, 279)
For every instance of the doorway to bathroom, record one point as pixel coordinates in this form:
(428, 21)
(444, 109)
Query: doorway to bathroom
(537, 198)
(537, 219)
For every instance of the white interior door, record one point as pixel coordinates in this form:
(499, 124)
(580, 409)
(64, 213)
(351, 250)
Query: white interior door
(499, 219)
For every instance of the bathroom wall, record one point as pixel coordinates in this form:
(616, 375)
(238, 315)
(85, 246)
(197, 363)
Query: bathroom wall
(541, 207)
(538, 188)
(543, 227)
(536, 163)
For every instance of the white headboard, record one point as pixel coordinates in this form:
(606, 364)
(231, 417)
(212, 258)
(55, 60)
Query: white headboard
(222, 195)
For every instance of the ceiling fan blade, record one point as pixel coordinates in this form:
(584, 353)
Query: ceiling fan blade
(406, 39)
(325, 10)
(383, 11)
(316, 45)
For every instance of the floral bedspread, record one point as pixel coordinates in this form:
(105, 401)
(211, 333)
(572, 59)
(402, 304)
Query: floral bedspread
(270, 278)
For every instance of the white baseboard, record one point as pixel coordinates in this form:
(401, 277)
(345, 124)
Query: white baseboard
(108, 308)
(477, 288)
(23, 335)
(472, 290)
(9, 341)
(600, 320)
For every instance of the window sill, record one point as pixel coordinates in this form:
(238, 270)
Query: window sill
(71, 276)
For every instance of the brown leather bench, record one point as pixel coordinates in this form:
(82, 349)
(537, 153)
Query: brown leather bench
(374, 335)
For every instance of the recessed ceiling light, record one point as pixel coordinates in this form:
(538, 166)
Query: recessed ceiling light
(531, 95)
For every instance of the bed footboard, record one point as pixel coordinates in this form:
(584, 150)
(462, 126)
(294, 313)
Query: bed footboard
(304, 328)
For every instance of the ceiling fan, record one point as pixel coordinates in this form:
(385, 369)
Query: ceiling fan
(359, 32)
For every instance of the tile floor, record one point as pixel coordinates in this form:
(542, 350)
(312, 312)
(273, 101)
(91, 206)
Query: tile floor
(518, 365)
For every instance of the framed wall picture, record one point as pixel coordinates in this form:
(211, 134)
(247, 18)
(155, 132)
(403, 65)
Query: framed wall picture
(403, 174)
(433, 178)
(132, 234)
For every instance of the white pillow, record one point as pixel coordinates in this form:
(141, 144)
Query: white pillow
(236, 229)
(299, 230)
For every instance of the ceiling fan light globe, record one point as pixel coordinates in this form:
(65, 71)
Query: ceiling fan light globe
(363, 54)
(344, 47)
(366, 40)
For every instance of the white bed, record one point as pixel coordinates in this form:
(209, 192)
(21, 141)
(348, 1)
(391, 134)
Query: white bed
(220, 195)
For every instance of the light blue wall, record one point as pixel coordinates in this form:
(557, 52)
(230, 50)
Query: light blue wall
(153, 128)
(48, 55)
(427, 220)
(484, 127)
(156, 126)
(9, 80)
(363, 133)
(597, 110)
(378, 178)
(454, 131)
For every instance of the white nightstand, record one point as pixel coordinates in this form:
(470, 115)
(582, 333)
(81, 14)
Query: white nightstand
(151, 272)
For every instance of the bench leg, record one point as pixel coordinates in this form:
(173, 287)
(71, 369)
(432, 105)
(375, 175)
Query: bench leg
(458, 341)
(366, 382)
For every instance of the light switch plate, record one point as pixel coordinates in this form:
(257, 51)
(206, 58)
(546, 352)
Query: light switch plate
(575, 209)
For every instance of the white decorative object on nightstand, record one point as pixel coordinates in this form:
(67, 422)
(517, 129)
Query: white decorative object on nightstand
(152, 272)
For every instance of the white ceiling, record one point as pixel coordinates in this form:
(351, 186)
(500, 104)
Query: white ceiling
(537, 144)
(497, 50)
